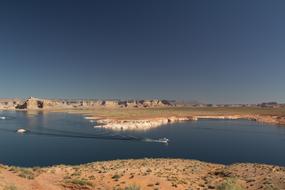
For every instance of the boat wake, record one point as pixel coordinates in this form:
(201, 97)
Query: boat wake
(160, 140)
(104, 136)
(98, 135)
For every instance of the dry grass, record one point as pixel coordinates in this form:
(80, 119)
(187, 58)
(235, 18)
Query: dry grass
(27, 173)
(141, 113)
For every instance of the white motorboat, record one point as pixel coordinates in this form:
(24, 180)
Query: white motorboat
(163, 140)
(21, 131)
(2, 117)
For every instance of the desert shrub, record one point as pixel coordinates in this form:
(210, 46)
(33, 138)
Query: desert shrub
(116, 177)
(23, 172)
(26, 173)
(229, 184)
(80, 182)
(133, 187)
(10, 187)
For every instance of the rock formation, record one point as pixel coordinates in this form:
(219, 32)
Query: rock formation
(110, 103)
(36, 103)
(9, 104)
(140, 124)
(31, 103)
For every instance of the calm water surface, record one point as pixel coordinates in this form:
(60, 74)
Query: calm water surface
(52, 141)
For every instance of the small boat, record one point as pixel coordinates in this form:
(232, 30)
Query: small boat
(21, 131)
(160, 140)
(163, 140)
(3, 117)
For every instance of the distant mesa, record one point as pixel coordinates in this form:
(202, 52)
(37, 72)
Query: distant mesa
(33, 103)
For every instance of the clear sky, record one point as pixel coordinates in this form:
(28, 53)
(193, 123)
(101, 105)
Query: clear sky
(213, 51)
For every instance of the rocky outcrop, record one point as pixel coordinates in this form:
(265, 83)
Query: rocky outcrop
(145, 124)
(36, 103)
(110, 103)
(155, 103)
(279, 120)
(31, 103)
(139, 124)
(9, 104)
(91, 103)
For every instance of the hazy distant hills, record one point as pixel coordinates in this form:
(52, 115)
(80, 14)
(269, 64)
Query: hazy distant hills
(37, 103)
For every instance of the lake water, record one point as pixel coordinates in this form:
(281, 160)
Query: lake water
(60, 138)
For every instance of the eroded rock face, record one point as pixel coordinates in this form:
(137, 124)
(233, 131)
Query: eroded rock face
(9, 103)
(49, 104)
(155, 103)
(31, 103)
(110, 103)
(91, 103)
(140, 124)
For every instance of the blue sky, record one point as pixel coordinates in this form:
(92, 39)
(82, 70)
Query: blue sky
(213, 51)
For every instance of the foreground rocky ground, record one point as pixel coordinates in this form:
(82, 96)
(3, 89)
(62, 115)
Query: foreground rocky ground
(152, 174)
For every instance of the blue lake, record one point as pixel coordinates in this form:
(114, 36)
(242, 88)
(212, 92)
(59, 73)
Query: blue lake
(60, 138)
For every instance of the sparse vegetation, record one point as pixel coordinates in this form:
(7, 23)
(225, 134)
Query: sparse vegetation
(165, 174)
(23, 172)
(10, 187)
(133, 187)
(26, 173)
(116, 177)
(79, 182)
(229, 184)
